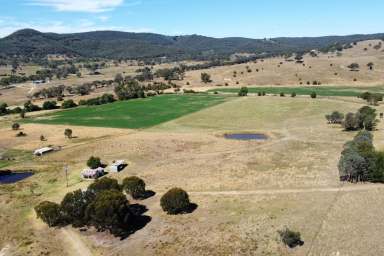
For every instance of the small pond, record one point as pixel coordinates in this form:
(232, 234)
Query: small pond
(246, 136)
(8, 177)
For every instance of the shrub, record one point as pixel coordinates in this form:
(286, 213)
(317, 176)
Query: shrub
(282, 94)
(15, 126)
(49, 213)
(293, 94)
(30, 107)
(47, 105)
(290, 238)
(68, 104)
(335, 118)
(243, 92)
(94, 162)
(313, 95)
(175, 201)
(134, 186)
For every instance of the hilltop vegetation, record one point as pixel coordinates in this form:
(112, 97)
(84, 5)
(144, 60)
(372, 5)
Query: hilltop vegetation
(114, 44)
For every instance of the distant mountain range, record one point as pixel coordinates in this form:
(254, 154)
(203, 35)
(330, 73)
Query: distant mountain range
(114, 44)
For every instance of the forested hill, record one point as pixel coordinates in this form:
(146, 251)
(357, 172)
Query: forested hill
(114, 44)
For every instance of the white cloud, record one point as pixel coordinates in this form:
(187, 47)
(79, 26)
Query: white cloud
(103, 18)
(10, 25)
(79, 5)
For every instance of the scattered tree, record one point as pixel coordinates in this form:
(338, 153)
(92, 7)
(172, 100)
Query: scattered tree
(291, 238)
(175, 201)
(94, 162)
(206, 78)
(15, 126)
(68, 133)
(243, 91)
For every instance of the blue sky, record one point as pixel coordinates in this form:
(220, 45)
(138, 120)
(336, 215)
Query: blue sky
(218, 18)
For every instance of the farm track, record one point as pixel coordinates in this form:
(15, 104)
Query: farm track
(355, 188)
(78, 247)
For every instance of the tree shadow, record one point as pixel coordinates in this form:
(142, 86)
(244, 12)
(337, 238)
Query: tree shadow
(138, 209)
(147, 194)
(190, 209)
(137, 223)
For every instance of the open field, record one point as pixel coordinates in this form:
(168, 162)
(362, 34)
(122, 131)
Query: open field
(141, 113)
(343, 91)
(245, 191)
(329, 69)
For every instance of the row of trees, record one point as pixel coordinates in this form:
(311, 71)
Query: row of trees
(364, 118)
(371, 98)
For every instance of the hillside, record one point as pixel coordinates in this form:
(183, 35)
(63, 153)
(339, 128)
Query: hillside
(114, 44)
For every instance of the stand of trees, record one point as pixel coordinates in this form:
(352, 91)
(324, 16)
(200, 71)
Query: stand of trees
(130, 90)
(102, 205)
(360, 162)
(371, 98)
(364, 118)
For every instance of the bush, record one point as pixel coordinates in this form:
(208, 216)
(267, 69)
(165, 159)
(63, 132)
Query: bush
(282, 94)
(15, 126)
(335, 118)
(47, 105)
(134, 186)
(49, 213)
(68, 104)
(313, 95)
(175, 201)
(94, 162)
(290, 238)
(293, 94)
(30, 107)
(243, 92)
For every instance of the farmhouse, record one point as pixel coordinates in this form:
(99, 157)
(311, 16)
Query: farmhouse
(92, 173)
(117, 166)
(42, 151)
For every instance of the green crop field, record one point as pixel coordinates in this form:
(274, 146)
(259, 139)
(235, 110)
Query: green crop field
(307, 90)
(133, 114)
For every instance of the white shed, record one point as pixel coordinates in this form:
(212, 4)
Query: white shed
(42, 151)
(117, 166)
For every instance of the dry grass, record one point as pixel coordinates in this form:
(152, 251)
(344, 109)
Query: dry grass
(190, 152)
